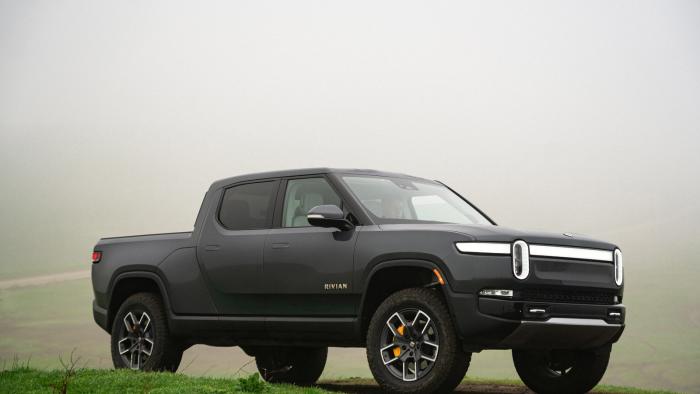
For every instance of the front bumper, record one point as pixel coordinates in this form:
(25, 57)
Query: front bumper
(562, 333)
(488, 323)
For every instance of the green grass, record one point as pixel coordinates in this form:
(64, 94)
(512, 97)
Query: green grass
(28, 380)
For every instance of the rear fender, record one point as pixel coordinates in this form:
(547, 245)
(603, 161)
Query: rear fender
(152, 276)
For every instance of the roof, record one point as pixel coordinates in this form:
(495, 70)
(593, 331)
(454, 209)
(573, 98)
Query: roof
(303, 171)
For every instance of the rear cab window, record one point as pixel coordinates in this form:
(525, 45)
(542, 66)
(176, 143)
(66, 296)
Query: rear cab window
(249, 206)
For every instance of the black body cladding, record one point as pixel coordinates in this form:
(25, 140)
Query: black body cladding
(256, 273)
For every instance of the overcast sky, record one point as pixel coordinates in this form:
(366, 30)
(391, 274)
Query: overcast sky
(567, 116)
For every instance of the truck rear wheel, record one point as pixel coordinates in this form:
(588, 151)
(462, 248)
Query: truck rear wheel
(295, 365)
(141, 339)
(560, 371)
(412, 346)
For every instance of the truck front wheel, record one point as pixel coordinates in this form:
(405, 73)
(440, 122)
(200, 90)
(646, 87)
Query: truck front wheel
(412, 346)
(295, 365)
(561, 371)
(140, 336)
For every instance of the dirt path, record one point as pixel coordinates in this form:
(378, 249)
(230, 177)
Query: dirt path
(43, 279)
(366, 386)
(472, 388)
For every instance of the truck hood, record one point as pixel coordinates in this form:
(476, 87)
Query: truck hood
(487, 233)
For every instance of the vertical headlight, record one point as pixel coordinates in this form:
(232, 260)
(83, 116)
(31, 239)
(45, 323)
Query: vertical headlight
(618, 267)
(521, 259)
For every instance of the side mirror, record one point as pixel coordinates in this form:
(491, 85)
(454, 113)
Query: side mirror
(328, 216)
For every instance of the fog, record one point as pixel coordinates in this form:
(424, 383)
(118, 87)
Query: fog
(563, 116)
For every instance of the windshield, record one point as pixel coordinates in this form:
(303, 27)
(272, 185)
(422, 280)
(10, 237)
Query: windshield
(400, 200)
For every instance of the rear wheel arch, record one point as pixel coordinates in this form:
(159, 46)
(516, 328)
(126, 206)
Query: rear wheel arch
(391, 276)
(131, 283)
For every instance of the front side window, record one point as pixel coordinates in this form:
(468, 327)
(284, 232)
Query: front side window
(304, 194)
(400, 200)
(249, 206)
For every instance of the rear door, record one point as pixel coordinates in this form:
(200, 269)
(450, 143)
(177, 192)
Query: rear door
(231, 247)
(308, 270)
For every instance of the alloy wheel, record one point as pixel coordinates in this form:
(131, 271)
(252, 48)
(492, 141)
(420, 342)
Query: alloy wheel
(558, 363)
(136, 340)
(409, 344)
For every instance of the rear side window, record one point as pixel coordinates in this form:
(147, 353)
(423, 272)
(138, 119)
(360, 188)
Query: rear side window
(249, 206)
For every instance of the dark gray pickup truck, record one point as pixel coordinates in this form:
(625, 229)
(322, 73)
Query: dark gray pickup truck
(285, 264)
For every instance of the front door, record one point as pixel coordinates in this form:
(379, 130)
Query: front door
(308, 270)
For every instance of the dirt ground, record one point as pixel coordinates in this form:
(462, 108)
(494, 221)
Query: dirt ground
(367, 387)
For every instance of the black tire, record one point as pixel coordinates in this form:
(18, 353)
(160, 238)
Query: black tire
(149, 333)
(450, 361)
(561, 371)
(301, 366)
(460, 366)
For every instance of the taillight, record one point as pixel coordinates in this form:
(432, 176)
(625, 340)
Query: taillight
(96, 256)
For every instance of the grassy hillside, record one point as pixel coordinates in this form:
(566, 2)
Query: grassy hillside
(27, 380)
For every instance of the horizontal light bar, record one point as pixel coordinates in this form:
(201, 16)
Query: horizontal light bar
(571, 253)
(496, 293)
(483, 247)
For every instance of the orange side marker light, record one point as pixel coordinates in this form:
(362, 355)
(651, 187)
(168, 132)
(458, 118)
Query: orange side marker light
(439, 277)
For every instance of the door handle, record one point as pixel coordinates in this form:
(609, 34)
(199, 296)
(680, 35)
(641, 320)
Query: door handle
(280, 245)
(212, 248)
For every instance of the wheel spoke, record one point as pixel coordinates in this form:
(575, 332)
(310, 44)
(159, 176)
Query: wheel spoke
(415, 320)
(431, 344)
(390, 360)
(132, 355)
(393, 330)
(121, 347)
(406, 377)
(400, 316)
(147, 350)
(129, 322)
(435, 353)
(424, 357)
(144, 324)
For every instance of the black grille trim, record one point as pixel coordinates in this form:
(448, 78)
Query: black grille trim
(597, 297)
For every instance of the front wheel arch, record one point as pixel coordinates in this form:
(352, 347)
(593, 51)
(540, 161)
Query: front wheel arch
(412, 273)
